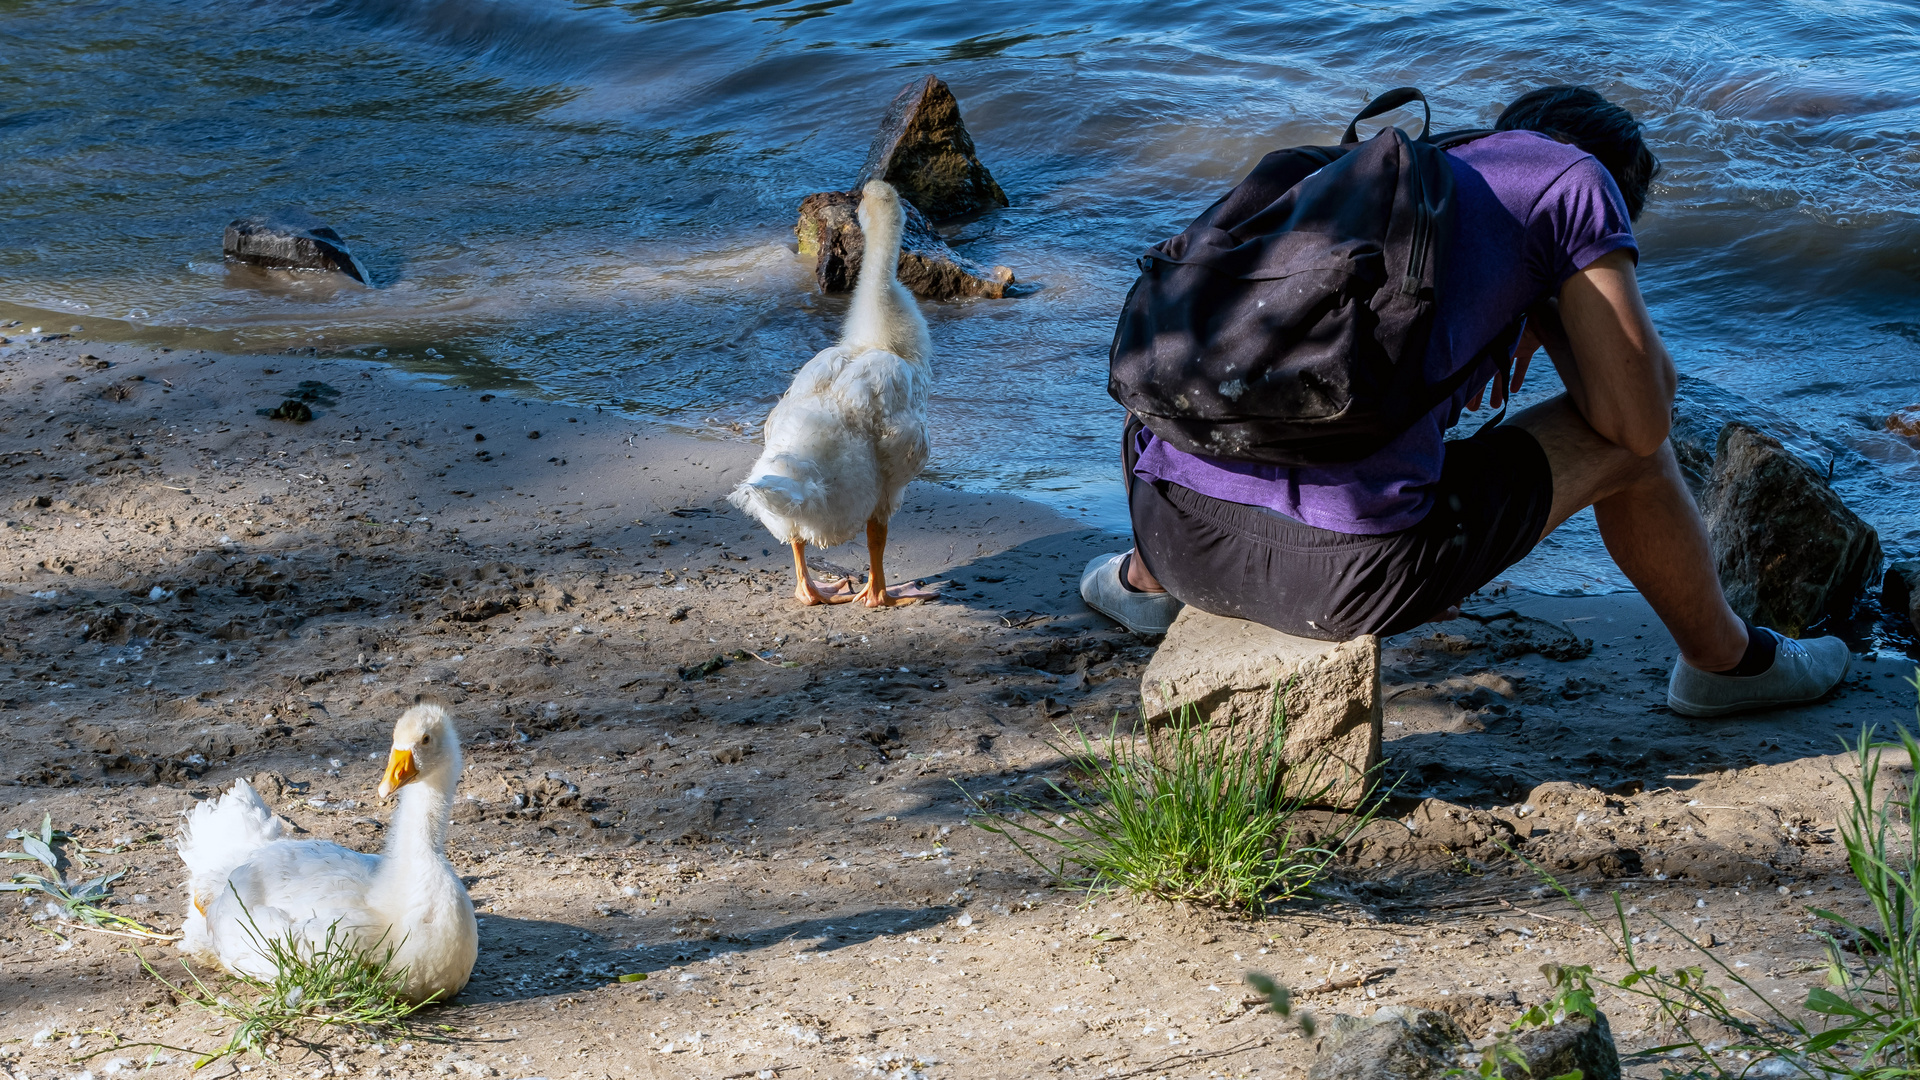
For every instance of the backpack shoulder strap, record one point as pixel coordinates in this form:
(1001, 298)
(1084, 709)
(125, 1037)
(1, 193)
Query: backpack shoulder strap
(1392, 99)
(1448, 140)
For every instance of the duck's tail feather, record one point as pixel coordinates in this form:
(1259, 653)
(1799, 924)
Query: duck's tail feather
(221, 834)
(773, 492)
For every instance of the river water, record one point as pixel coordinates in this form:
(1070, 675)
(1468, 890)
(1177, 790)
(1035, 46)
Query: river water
(594, 200)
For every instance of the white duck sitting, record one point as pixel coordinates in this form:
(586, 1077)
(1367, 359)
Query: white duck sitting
(247, 884)
(852, 429)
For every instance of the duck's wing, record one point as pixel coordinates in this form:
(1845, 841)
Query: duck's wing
(221, 834)
(893, 392)
(294, 892)
(815, 477)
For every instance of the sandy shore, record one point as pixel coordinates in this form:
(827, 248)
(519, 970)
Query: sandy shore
(194, 592)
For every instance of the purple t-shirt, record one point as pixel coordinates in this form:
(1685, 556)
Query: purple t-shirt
(1531, 212)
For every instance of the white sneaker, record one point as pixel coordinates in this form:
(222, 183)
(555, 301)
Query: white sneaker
(1140, 612)
(1802, 671)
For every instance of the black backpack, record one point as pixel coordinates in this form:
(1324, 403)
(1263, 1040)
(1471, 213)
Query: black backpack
(1289, 323)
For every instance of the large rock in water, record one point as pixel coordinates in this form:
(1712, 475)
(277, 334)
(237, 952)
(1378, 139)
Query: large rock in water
(1901, 594)
(924, 151)
(1395, 1043)
(829, 232)
(1788, 550)
(290, 239)
(1230, 671)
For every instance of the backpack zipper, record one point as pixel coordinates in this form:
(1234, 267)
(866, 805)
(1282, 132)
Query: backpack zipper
(1422, 229)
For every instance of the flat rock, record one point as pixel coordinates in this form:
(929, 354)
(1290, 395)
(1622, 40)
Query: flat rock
(1901, 593)
(290, 239)
(829, 232)
(1230, 671)
(1788, 550)
(1576, 1043)
(1395, 1043)
(924, 151)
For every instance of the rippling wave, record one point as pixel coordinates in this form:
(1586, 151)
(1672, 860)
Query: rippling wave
(595, 199)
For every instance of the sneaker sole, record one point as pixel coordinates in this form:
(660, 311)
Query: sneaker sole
(1710, 712)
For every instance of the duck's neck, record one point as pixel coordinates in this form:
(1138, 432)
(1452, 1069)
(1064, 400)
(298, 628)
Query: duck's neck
(883, 314)
(417, 835)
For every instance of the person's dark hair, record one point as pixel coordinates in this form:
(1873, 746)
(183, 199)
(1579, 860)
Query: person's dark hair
(1579, 115)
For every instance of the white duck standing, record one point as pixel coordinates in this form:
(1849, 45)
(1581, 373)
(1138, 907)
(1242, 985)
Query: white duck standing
(247, 884)
(852, 429)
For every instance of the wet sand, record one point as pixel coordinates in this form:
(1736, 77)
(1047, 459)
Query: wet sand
(195, 592)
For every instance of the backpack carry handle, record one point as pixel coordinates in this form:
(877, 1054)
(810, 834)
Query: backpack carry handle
(1386, 102)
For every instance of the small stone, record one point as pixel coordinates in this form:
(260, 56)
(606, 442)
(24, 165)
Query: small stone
(291, 409)
(924, 151)
(1788, 550)
(290, 239)
(829, 232)
(1395, 1043)
(1227, 669)
(1901, 593)
(1576, 1043)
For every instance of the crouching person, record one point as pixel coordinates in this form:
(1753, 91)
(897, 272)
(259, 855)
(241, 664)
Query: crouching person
(1286, 463)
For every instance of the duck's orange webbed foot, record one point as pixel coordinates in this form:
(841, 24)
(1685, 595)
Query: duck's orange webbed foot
(809, 590)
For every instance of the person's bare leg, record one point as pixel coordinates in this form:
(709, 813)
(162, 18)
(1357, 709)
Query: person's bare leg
(1139, 576)
(1650, 525)
(807, 590)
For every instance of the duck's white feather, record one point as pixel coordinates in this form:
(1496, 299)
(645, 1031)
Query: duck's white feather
(249, 885)
(851, 430)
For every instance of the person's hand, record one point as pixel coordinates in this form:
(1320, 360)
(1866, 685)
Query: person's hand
(1542, 330)
(1522, 356)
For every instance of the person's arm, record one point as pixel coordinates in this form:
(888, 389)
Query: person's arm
(1608, 354)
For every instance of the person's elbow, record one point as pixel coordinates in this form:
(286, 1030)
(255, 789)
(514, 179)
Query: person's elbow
(1641, 422)
(1644, 436)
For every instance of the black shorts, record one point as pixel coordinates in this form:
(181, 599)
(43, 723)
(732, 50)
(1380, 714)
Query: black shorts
(1249, 562)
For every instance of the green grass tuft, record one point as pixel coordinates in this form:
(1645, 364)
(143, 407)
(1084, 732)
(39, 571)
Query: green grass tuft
(318, 991)
(1182, 815)
(1869, 1011)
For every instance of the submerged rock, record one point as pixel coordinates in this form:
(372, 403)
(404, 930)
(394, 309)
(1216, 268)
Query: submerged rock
(1788, 550)
(1701, 409)
(1901, 594)
(829, 232)
(924, 151)
(1906, 422)
(291, 239)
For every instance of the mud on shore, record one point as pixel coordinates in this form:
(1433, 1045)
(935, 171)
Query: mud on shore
(675, 771)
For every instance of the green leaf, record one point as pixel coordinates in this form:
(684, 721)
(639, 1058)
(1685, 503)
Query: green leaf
(1828, 1038)
(39, 850)
(1831, 1004)
(46, 828)
(1277, 996)
(634, 976)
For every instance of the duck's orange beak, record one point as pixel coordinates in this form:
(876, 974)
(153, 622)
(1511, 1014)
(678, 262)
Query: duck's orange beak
(400, 772)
